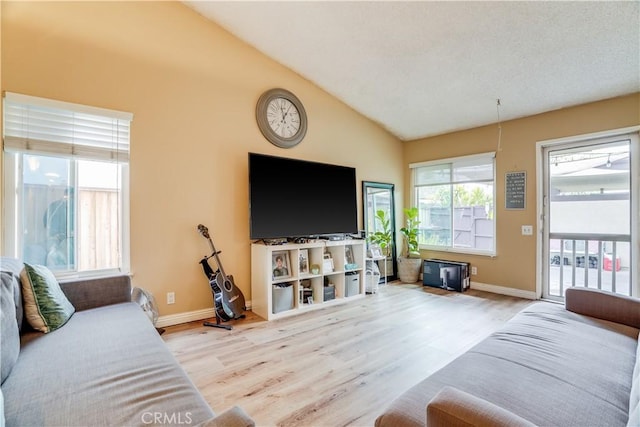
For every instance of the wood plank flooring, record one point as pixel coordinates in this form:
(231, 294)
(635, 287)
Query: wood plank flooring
(341, 365)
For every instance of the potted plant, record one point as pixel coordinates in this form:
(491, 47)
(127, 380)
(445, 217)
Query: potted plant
(409, 261)
(382, 238)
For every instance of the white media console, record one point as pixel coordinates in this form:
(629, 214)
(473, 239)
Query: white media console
(297, 281)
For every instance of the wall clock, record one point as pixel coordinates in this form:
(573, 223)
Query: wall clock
(281, 118)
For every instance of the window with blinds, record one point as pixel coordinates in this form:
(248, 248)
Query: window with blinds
(455, 199)
(66, 169)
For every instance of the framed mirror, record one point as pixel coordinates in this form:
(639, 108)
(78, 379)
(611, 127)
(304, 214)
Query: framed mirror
(379, 219)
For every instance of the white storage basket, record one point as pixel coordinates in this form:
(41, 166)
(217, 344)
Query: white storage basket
(371, 280)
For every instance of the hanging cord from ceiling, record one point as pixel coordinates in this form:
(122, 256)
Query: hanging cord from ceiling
(499, 126)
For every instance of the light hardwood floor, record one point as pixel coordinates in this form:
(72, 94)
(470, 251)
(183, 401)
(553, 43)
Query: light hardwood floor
(341, 365)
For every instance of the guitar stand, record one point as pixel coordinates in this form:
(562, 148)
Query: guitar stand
(218, 324)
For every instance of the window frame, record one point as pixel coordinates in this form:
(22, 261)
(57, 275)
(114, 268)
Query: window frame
(12, 196)
(461, 160)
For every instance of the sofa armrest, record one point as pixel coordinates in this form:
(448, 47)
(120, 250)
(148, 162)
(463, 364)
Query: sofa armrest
(604, 305)
(453, 407)
(96, 292)
(234, 417)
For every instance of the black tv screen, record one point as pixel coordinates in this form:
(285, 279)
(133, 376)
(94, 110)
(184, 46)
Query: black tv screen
(298, 198)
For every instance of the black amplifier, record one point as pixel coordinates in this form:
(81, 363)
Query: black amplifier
(449, 275)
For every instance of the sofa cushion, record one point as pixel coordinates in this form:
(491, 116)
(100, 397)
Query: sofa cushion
(14, 266)
(2, 422)
(452, 407)
(634, 397)
(93, 292)
(45, 305)
(111, 368)
(9, 333)
(232, 417)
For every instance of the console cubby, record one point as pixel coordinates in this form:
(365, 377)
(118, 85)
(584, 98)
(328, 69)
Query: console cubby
(319, 262)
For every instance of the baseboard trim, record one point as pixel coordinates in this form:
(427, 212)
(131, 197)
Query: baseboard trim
(189, 316)
(502, 290)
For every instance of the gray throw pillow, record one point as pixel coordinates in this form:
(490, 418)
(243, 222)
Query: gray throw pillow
(45, 305)
(9, 334)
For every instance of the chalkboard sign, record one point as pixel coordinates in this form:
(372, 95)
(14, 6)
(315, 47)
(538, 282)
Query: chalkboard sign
(515, 187)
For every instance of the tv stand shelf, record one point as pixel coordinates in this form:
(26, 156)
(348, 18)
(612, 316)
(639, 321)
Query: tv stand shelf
(346, 277)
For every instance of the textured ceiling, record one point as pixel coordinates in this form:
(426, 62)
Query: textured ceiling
(427, 68)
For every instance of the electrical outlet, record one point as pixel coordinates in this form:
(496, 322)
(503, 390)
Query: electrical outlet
(527, 230)
(474, 270)
(171, 297)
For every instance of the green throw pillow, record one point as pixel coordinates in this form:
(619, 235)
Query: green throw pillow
(45, 305)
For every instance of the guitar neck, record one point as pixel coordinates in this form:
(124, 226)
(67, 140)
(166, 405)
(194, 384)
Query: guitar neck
(215, 255)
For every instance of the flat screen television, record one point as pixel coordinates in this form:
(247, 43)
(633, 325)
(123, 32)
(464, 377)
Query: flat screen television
(299, 198)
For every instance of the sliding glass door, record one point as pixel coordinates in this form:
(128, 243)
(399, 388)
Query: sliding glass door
(589, 206)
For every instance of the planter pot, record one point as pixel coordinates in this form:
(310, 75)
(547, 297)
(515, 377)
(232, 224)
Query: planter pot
(409, 269)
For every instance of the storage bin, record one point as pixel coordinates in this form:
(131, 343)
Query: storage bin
(351, 284)
(329, 293)
(282, 297)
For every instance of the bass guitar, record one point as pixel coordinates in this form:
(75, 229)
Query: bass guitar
(228, 299)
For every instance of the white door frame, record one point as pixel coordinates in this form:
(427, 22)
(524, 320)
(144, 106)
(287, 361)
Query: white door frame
(635, 200)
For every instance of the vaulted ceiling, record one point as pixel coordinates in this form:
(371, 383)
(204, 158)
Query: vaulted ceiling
(426, 68)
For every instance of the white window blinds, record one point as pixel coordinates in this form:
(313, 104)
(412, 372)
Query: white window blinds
(459, 170)
(44, 126)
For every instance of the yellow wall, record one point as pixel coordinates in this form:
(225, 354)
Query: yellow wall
(192, 88)
(515, 263)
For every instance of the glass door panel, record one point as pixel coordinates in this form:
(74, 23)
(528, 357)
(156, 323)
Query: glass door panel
(587, 217)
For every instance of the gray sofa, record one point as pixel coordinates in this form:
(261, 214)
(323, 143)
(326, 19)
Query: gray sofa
(551, 365)
(106, 366)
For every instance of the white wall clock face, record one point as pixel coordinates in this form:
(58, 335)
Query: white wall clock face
(281, 118)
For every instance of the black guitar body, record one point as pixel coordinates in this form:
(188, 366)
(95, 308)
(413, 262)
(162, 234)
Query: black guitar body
(221, 312)
(228, 299)
(232, 297)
